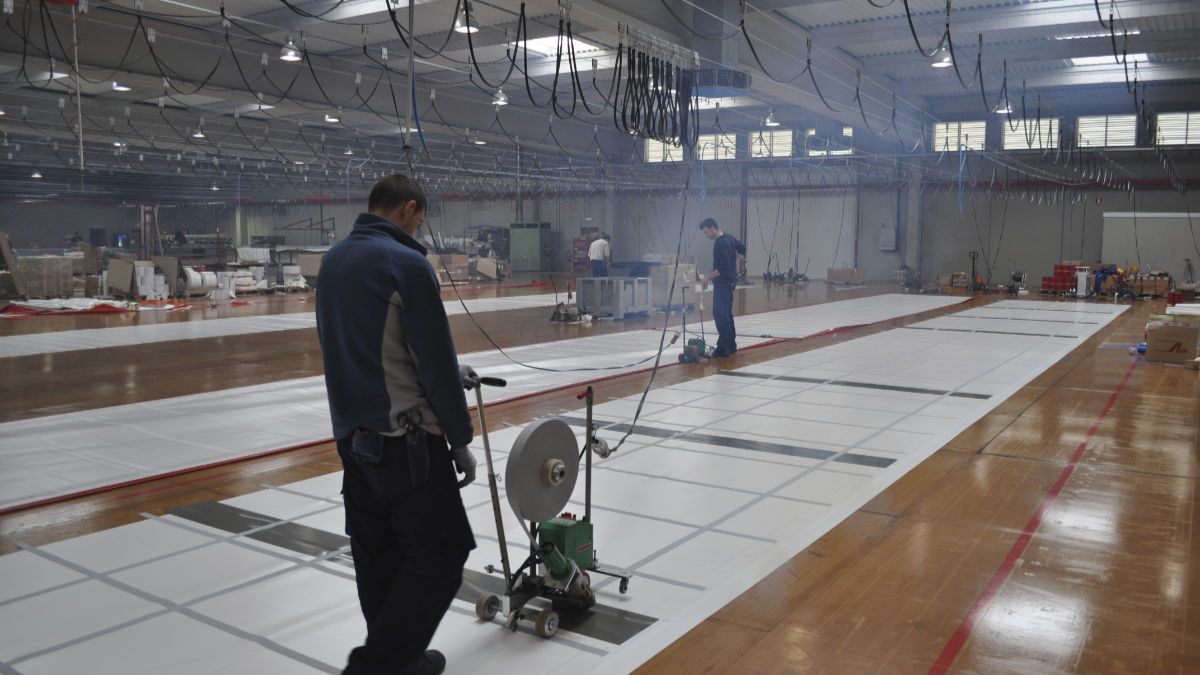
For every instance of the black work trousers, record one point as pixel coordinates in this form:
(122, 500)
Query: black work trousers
(409, 544)
(723, 316)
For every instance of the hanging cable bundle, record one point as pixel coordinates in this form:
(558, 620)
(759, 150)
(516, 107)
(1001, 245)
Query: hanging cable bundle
(659, 96)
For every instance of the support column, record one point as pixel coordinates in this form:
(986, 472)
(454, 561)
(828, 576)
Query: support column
(912, 221)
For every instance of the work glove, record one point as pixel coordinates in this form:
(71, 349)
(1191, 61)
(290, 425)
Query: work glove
(470, 378)
(464, 463)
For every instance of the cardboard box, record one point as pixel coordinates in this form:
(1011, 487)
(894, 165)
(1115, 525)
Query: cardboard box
(45, 276)
(846, 275)
(120, 277)
(491, 268)
(1172, 338)
(661, 279)
(310, 265)
(448, 260)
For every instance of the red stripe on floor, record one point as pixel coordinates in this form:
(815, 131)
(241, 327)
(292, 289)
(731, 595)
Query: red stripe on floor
(963, 633)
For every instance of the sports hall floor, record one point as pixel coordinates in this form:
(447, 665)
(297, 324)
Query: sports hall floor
(986, 486)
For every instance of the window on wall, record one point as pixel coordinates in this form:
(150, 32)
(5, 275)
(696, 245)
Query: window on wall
(657, 151)
(1179, 128)
(716, 146)
(1099, 131)
(819, 147)
(1031, 134)
(949, 136)
(777, 143)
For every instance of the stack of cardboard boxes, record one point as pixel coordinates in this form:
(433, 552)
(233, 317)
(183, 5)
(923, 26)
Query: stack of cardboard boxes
(1155, 283)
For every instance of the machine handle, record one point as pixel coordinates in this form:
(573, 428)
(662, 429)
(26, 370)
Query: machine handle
(493, 381)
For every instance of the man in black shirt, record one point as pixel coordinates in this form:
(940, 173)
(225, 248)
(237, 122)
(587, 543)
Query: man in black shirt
(726, 250)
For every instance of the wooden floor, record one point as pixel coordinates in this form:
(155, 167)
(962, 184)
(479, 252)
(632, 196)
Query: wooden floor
(1060, 533)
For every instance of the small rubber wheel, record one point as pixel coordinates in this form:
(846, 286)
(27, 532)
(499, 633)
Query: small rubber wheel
(486, 606)
(624, 586)
(547, 623)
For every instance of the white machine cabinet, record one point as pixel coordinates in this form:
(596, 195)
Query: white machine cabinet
(617, 296)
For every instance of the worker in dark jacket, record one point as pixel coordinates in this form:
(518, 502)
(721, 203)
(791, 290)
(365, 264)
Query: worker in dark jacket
(726, 251)
(400, 419)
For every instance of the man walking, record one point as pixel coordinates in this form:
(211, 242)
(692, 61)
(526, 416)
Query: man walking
(726, 250)
(600, 253)
(400, 419)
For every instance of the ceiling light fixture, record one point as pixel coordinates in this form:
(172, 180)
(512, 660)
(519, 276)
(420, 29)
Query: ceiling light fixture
(214, 187)
(548, 46)
(2, 113)
(941, 57)
(1003, 107)
(332, 119)
(36, 174)
(348, 151)
(463, 23)
(1109, 60)
(479, 141)
(500, 98)
(288, 52)
(771, 121)
(198, 133)
(117, 86)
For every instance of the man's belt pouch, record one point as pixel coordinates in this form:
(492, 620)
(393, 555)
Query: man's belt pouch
(367, 446)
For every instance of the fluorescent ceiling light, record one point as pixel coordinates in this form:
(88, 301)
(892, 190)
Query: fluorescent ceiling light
(548, 46)
(348, 151)
(1100, 34)
(1003, 108)
(36, 174)
(500, 98)
(2, 113)
(332, 118)
(1108, 60)
(117, 86)
(771, 121)
(289, 52)
(198, 133)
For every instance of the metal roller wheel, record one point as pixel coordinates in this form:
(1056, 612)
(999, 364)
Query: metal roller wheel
(547, 623)
(486, 606)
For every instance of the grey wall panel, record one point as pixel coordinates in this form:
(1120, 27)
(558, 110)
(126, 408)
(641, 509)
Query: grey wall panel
(1153, 241)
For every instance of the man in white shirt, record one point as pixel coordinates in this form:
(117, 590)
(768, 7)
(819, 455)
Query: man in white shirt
(600, 253)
